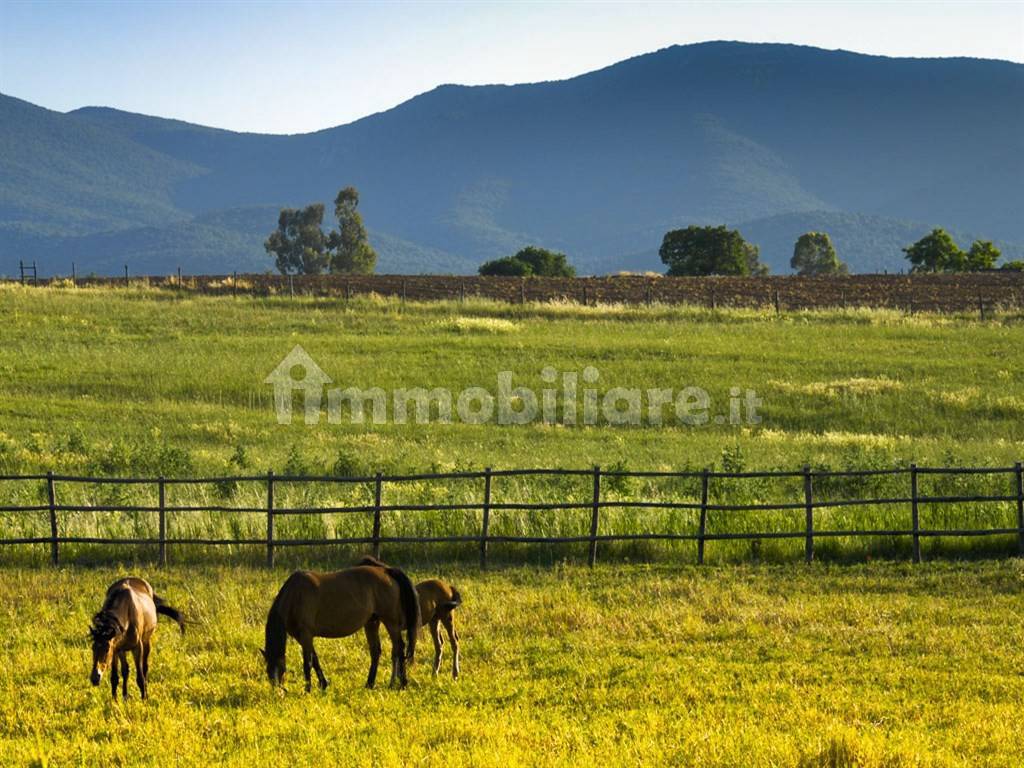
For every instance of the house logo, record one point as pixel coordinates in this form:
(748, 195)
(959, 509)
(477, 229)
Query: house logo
(298, 371)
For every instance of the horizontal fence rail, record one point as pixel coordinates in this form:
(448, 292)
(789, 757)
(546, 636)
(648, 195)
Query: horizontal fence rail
(702, 502)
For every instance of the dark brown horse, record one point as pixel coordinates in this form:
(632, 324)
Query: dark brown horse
(339, 604)
(125, 624)
(437, 603)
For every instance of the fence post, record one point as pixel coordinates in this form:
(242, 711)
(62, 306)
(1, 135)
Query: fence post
(403, 291)
(52, 497)
(915, 520)
(234, 283)
(1020, 507)
(778, 303)
(126, 276)
(595, 512)
(462, 292)
(487, 518)
(702, 529)
(163, 523)
(179, 278)
(21, 270)
(522, 290)
(981, 307)
(74, 275)
(376, 513)
(809, 507)
(270, 518)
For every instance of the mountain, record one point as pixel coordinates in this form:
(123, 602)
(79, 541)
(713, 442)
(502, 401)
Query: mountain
(773, 139)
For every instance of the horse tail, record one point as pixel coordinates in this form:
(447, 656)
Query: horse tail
(450, 605)
(410, 601)
(172, 613)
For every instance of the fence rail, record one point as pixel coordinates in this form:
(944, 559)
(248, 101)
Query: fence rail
(487, 506)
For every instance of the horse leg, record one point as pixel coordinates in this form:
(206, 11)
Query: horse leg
(307, 660)
(372, 631)
(319, 672)
(146, 648)
(138, 654)
(124, 675)
(435, 633)
(113, 677)
(453, 637)
(397, 655)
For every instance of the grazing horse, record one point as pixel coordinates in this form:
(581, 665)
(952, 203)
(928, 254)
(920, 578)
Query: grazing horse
(339, 604)
(437, 603)
(124, 624)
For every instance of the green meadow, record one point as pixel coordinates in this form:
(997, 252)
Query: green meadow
(148, 382)
(883, 664)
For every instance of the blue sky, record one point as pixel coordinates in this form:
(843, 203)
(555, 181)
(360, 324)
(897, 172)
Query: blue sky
(291, 67)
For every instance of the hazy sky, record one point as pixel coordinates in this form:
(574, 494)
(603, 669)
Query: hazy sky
(292, 67)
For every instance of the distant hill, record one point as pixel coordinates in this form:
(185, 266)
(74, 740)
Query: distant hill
(774, 139)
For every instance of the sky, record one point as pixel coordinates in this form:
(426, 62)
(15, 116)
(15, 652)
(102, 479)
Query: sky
(275, 67)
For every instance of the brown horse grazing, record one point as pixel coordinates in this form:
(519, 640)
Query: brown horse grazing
(339, 604)
(437, 603)
(124, 624)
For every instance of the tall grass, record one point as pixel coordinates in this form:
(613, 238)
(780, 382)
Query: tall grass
(143, 382)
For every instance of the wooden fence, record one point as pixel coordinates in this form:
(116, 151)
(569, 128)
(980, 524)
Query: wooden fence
(486, 507)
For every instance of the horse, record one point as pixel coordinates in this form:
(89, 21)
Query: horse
(125, 624)
(339, 604)
(437, 603)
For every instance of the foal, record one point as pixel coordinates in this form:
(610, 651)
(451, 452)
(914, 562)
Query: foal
(438, 601)
(125, 624)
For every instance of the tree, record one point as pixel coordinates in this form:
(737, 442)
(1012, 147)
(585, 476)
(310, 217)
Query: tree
(546, 263)
(755, 266)
(814, 254)
(508, 266)
(935, 252)
(1017, 265)
(531, 260)
(299, 244)
(983, 255)
(709, 251)
(351, 248)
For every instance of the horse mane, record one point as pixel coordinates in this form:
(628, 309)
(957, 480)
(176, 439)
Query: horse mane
(275, 634)
(105, 626)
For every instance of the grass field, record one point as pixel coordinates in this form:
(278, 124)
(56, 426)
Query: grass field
(141, 382)
(766, 663)
(870, 665)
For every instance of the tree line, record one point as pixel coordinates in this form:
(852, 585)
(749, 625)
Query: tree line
(302, 247)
